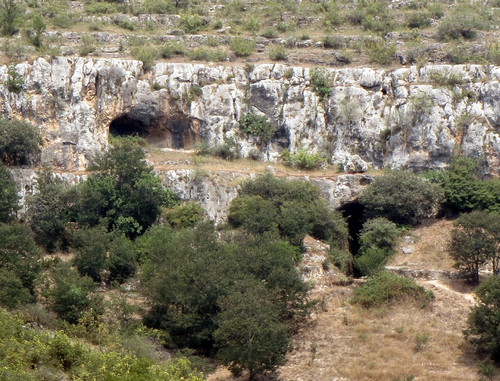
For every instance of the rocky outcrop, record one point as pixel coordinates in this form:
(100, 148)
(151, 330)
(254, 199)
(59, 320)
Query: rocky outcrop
(409, 117)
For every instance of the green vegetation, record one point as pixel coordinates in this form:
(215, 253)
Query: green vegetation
(242, 47)
(303, 159)
(320, 82)
(291, 208)
(402, 197)
(378, 239)
(229, 150)
(31, 354)
(8, 195)
(258, 126)
(386, 288)
(484, 317)
(475, 241)
(19, 142)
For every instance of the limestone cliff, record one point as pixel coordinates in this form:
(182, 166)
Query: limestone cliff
(407, 117)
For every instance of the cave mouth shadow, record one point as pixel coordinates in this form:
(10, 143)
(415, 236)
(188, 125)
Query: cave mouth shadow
(353, 212)
(176, 131)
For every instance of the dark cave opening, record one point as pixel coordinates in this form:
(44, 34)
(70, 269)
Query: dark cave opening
(353, 213)
(176, 131)
(125, 125)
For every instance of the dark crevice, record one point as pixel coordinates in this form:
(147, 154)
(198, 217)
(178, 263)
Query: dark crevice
(353, 213)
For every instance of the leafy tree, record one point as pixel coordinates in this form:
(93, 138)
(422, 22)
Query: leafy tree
(294, 207)
(8, 195)
(122, 262)
(474, 241)
(19, 142)
(484, 318)
(250, 334)
(402, 197)
(90, 259)
(49, 211)
(70, 294)
(12, 291)
(124, 192)
(20, 260)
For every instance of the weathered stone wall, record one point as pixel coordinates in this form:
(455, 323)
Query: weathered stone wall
(373, 118)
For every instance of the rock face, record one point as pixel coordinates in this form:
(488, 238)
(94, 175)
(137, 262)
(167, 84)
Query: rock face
(408, 117)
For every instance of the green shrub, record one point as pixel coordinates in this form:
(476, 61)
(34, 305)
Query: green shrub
(381, 52)
(380, 233)
(270, 33)
(158, 7)
(303, 159)
(387, 288)
(147, 54)
(171, 49)
(242, 47)
(483, 317)
(446, 78)
(15, 81)
(334, 42)
(372, 260)
(184, 215)
(402, 197)
(203, 54)
(9, 199)
(418, 20)
(19, 142)
(252, 24)
(460, 25)
(494, 53)
(192, 23)
(230, 150)
(320, 82)
(100, 8)
(278, 53)
(258, 126)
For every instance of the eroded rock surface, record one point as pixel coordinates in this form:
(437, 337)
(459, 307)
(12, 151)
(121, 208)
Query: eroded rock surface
(408, 117)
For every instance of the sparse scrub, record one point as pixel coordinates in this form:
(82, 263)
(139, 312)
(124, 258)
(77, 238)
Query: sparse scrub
(192, 23)
(172, 49)
(278, 53)
(99, 8)
(204, 54)
(147, 54)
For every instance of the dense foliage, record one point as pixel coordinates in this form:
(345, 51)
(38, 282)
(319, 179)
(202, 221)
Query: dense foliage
(258, 126)
(292, 208)
(402, 197)
(19, 142)
(193, 281)
(484, 318)
(475, 241)
(8, 195)
(20, 264)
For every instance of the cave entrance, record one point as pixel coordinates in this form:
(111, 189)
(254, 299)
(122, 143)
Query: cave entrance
(353, 213)
(176, 131)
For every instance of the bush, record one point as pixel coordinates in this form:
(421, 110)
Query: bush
(320, 82)
(303, 160)
(147, 54)
(462, 25)
(172, 49)
(203, 54)
(242, 47)
(372, 260)
(381, 52)
(484, 317)
(278, 53)
(185, 215)
(258, 126)
(100, 8)
(192, 23)
(418, 20)
(402, 197)
(9, 200)
(230, 150)
(387, 288)
(19, 142)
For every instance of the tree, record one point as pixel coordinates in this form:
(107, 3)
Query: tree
(19, 142)
(70, 294)
(472, 243)
(484, 318)
(50, 210)
(20, 263)
(124, 192)
(250, 334)
(293, 207)
(402, 197)
(8, 195)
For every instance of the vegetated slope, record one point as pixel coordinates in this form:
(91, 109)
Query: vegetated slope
(346, 342)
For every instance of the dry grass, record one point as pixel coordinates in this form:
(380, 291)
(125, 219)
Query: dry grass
(430, 242)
